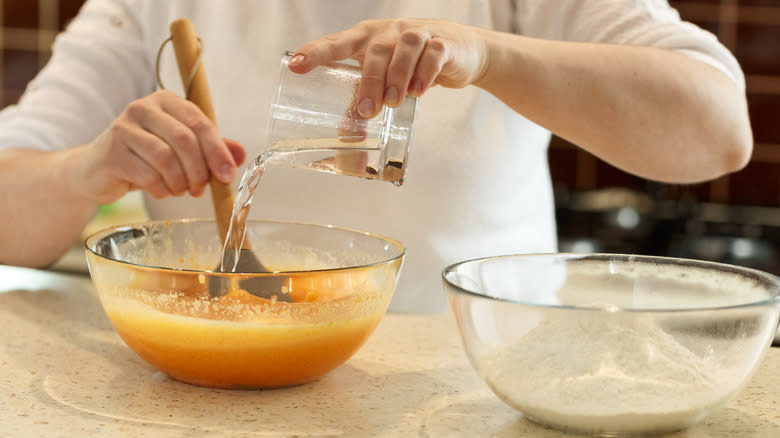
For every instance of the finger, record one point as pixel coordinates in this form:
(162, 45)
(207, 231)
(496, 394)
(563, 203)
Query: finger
(352, 126)
(372, 81)
(237, 150)
(157, 155)
(218, 158)
(138, 175)
(433, 58)
(333, 47)
(143, 177)
(402, 65)
(184, 144)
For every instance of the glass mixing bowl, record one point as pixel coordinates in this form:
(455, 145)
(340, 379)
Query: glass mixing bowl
(153, 281)
(612, 344)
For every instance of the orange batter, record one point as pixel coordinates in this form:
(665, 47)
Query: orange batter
(241, 354)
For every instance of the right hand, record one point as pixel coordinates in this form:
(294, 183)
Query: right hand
(400, 57)
(162, 144)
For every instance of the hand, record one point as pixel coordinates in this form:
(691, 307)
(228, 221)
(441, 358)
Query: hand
(162, 144)
(399, 57)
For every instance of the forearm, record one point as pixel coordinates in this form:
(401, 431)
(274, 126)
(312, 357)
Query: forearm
(42, 215)
(655, 113)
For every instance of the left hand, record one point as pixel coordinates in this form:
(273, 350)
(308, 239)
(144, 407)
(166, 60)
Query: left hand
(399, 57)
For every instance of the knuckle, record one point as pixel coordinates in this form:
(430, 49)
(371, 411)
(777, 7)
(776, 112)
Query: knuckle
(402, 23)
(119, 129)
(383, 49)
(412, 38)
(399, 70)
(330, 38)
(327, 43)
(372, 78)
(331, 45)
(183, 138)
(398, 79)
(198, 123)
(137, 109)
(164, 159)
(144, 145)
(436, 46)
(405, 23)
(368, 23)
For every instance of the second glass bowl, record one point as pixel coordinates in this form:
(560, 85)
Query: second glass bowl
(612, 345)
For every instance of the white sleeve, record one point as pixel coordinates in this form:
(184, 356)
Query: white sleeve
(98, 66)
(637, 22)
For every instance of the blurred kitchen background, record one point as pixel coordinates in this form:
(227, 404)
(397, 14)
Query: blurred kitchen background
(734, 219)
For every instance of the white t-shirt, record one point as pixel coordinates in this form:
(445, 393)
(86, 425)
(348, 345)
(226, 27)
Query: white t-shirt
(477, 183)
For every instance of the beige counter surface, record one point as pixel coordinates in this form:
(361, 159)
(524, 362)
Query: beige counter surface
(65, 372)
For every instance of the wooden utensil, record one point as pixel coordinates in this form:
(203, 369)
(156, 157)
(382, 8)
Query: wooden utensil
(187, 49)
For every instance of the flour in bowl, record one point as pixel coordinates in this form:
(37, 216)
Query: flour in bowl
(606, 372)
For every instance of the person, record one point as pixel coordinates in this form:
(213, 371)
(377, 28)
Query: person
(626, 80)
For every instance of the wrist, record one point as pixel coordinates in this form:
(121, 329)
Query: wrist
(70, 170)
(500, 59)
(521, 72)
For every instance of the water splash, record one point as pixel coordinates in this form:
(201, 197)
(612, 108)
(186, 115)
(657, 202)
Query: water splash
(236, 234)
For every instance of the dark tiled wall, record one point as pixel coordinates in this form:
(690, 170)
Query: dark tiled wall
(750, 28)
(27, 30)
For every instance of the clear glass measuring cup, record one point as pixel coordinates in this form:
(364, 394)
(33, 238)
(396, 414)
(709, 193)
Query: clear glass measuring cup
(314, 124)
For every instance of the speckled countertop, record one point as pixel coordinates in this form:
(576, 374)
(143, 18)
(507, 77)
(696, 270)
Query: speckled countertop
(65, 372)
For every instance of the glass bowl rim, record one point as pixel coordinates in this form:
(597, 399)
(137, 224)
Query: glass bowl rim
(97, 235)
(772, 280)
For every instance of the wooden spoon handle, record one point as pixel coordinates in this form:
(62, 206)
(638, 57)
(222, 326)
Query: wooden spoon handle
(187, 48)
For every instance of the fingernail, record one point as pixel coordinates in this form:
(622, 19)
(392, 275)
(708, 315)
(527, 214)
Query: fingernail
(416, 87)
(297, 59)
(391, 96)
(366, 107)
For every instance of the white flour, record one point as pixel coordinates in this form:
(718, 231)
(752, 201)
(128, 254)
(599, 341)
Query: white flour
(609, 373)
